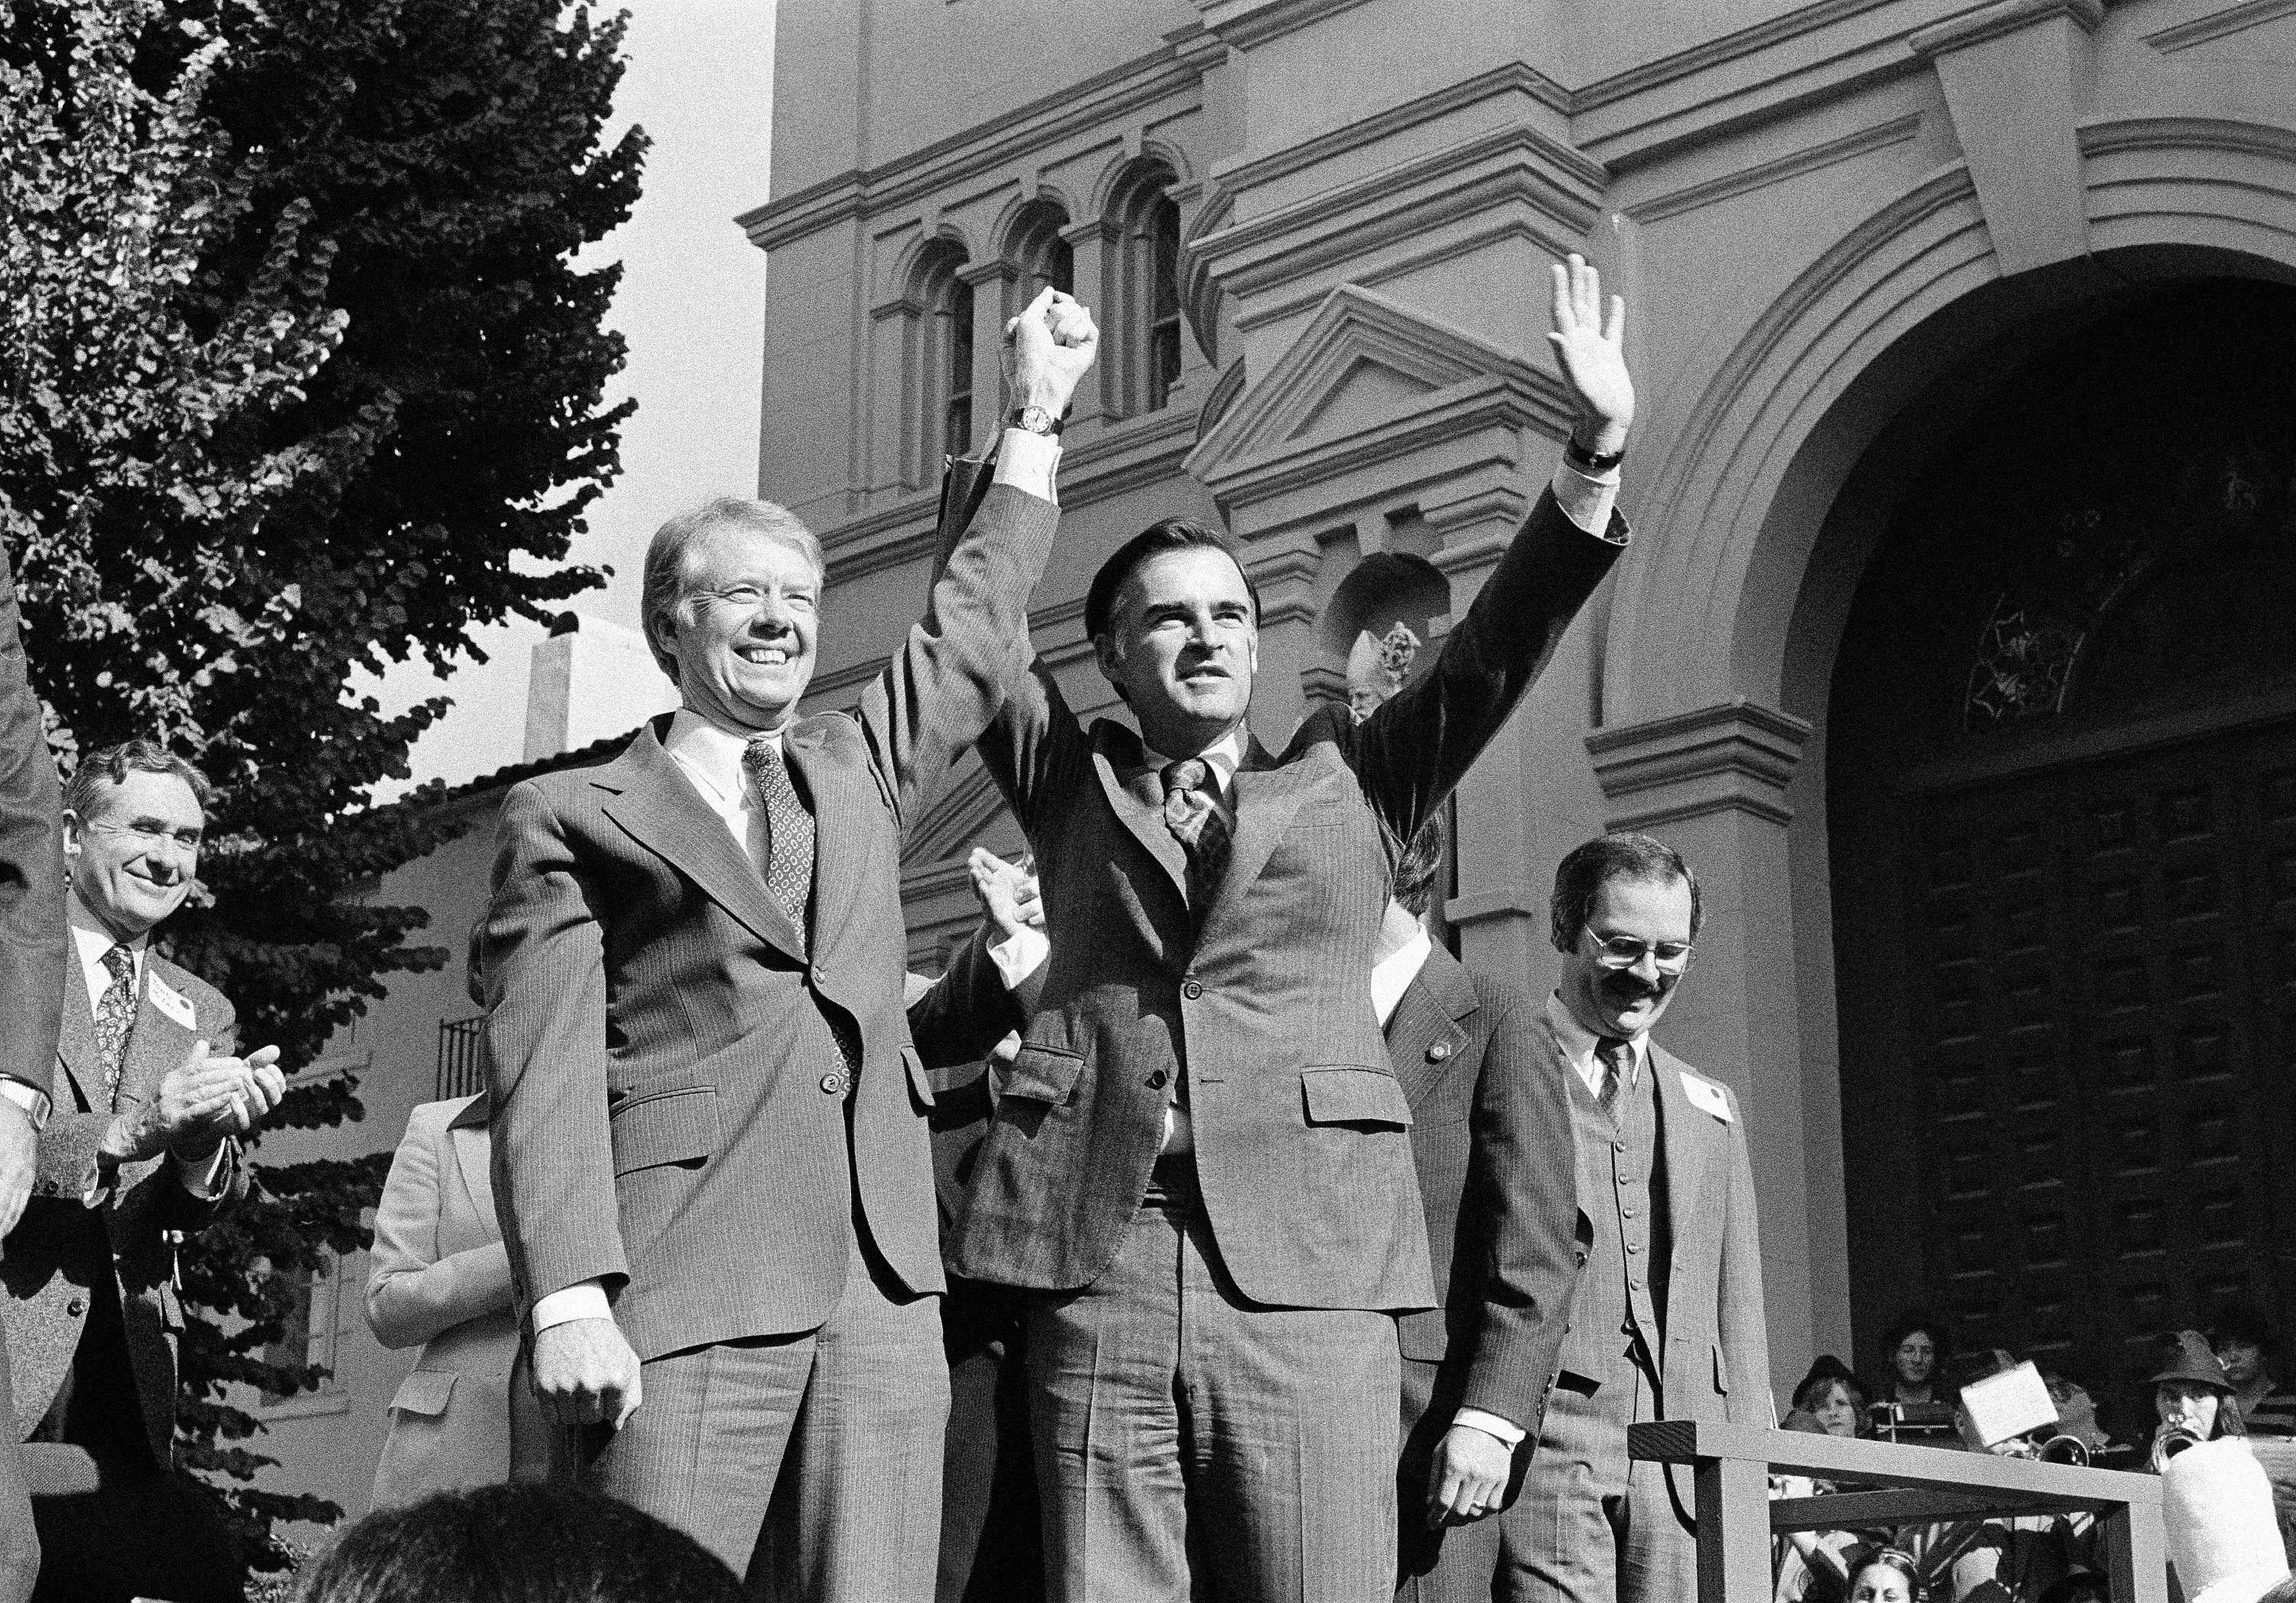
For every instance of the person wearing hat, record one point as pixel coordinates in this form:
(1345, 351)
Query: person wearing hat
(2191, 1395)
(2245, 1345)
(1833, 1398)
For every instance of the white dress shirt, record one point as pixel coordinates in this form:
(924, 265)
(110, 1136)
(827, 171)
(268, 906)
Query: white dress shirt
(203, 1178)
(711, 758)
(1579, 1046)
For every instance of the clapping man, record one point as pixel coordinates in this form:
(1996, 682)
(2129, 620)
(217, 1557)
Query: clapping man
(140, 1152)
(709, 1146)
(1198, 1167)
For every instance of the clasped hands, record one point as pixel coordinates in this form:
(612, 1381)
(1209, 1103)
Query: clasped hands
(198, 1103)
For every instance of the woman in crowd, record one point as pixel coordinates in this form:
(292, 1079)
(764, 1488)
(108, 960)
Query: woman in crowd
(1886, 1576)
(1911, 1351)
(1813, 1566)
(2192, 1397)
(1833, 1397)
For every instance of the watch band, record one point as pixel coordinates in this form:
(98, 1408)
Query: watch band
(1035, 420)
(30, 1097)
(1590, 461)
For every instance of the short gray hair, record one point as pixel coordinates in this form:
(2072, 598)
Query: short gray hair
(665, 557)
(100, 773)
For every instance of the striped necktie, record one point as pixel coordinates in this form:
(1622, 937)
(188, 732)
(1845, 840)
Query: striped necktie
(1617, 1059)
(1194, 820)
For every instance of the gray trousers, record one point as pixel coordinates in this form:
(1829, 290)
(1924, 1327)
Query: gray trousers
(810, 1463)
(1193, 1445)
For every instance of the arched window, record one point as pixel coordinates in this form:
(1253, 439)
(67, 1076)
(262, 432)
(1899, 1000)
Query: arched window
(945, 355)
(1147, 280)
(1038, 253)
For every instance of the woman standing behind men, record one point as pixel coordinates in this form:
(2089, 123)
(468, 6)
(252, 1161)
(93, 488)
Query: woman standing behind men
(464, 1415)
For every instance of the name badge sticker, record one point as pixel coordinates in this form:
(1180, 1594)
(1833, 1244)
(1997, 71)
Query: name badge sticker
(1705, 1095)
(172, 1002)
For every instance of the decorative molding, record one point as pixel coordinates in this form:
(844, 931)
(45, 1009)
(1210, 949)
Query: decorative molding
(2233, 19)
(1514, 77)
(2213, 134)
(2001, 17)
(1723, 51)
(1735, 757)
(1242, 24)
(1031, 129)
(1764, 174)
(1281, 435)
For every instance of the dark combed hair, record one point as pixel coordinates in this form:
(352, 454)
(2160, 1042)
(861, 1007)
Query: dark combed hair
(1894, 1338)
(1171, 534)
(98, 771)
(1580, 875)
(516, 1544)
(1894, 1559)
(1418, 866)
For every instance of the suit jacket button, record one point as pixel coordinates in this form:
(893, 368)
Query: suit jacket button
(819, 979)
(834, 1084)
(1157, 1079)
(1440, 1050)
(1192, 990)
(75, 1307)
(49, 1187)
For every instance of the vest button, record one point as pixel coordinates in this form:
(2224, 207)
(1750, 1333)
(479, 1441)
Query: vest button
(1634, 1246)
(75, 1307)
(1627, 1210)
(1157, 1079)
(1192, 990)
(834, 1084)
(1440, 1050)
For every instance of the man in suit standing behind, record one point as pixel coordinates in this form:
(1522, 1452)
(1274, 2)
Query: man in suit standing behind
(710, 1155)
(1666, 1322)
(1491, 1137)
(31, 1001)
(1198, 1164)
(140, 1153)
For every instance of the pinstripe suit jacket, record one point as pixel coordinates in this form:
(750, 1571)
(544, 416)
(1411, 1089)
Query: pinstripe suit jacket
(1261, 998)
(1491, 1136)
(657, 1033)
(63, 1249)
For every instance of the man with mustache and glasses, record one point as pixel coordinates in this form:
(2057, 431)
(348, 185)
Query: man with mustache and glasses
(1199, 1168)
(1666, 1318)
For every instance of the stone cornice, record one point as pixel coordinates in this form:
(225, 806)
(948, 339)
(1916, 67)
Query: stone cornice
(2232, 19)
(1735, 757)
(2002, 16)
(1242, 24)
(1024, 133)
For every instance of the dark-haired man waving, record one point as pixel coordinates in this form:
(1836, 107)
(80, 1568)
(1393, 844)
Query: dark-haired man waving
(1197, 1162)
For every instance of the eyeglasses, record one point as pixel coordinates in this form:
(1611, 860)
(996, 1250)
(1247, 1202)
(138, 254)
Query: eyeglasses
(1625, 951)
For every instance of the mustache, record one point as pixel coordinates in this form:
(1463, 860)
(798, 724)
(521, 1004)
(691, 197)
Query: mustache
(1625, 987)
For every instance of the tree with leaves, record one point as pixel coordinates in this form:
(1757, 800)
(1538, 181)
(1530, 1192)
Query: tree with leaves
(299, 378)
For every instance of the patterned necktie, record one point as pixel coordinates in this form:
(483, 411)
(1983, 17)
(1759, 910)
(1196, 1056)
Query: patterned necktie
(1196, 822)
(1618, 1060)
(115, 1017)
(789, 831)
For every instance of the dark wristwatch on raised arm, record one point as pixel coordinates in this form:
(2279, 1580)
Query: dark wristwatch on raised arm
(1035, 420)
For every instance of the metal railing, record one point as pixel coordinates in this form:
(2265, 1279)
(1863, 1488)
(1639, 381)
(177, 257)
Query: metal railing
(1899, 1486)
(461, 1071)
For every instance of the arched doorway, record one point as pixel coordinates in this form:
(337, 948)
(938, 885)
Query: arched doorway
(2061, 778)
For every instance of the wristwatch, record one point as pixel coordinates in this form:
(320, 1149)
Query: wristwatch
(1035, 420)
(1590, 461)
(29, 1096)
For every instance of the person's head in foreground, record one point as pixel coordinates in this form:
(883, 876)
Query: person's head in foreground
(1886, 1576)
(516, 1544)
(2191, 1393)
(1624, 914)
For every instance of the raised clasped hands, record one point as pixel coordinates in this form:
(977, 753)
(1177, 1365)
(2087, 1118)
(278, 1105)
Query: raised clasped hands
(1590, 341)
(1048, 351)
(198, 1103)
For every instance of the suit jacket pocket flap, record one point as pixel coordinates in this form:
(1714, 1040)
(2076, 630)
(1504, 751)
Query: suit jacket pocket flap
(1340, 1095)
(1040, 1073)
(425, 1392)
(665, 1127)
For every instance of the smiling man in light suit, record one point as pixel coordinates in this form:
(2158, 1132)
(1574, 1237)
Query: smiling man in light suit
(710, 1143)
(1198, 1165)
(1666, 1318)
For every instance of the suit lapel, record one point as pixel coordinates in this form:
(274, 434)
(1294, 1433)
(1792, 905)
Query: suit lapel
(157, 1044)
(658, 807)
(1139, 806)
(1427, 1032)
(840, 845)
(75, 1045)
(1264, 797)
(1687, 1139)
(466, 1134)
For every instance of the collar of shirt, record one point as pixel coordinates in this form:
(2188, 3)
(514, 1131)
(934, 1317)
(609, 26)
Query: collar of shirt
(711, 757)
(1392, 974)
(1579, 1044)
(91, 941)
(1223, 756)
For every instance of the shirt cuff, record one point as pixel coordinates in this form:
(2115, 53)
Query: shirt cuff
(586, 1301)
(204, 1178)
(1509, 1434)
(1587, 498)
(1028, 462)
(1020, 955)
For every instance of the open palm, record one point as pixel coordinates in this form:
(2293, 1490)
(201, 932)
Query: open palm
(1590, 344)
